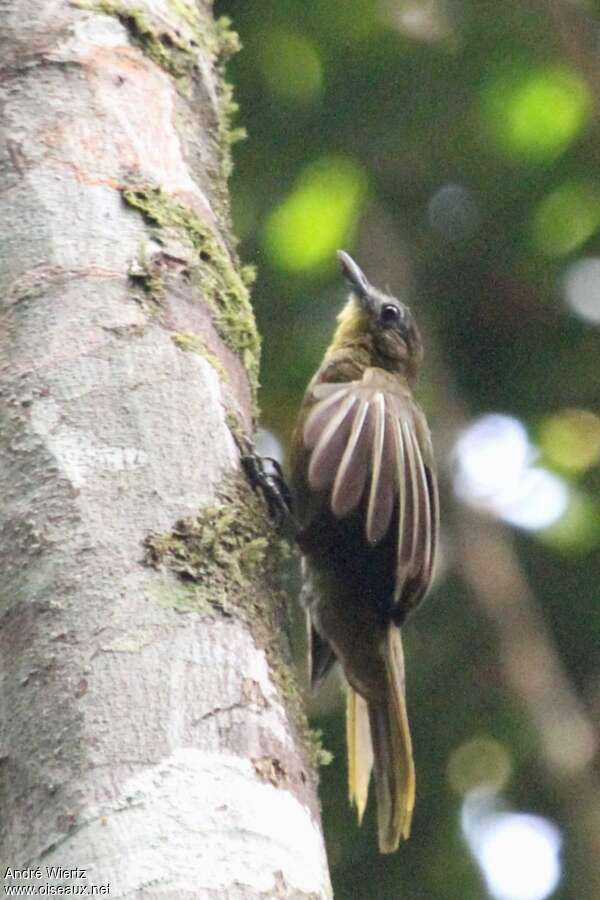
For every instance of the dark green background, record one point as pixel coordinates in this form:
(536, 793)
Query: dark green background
(354, 123)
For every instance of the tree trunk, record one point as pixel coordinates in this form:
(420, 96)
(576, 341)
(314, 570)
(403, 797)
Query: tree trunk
(150, 733)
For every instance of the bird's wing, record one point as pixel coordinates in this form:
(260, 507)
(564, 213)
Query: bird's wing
(370, 438)
(418, 518)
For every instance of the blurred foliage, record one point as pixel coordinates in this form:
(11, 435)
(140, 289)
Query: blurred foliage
(329, 192)
(452, 146)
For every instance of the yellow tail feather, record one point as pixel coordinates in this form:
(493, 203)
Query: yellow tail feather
(379, 734)
(360, 751)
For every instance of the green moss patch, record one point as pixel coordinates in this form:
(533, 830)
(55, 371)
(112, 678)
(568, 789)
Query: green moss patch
(319, 755)
(169, 48)
(223, 550)
(238, 432)
(228, 44)
(222, 287)
(193, 343)
(229, 560)
(228, 134)
(174, 46)
(146, 273)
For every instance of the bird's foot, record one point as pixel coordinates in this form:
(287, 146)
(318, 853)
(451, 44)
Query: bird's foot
(265, 474)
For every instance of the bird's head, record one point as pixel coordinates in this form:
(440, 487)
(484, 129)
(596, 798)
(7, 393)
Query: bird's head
(385, 322)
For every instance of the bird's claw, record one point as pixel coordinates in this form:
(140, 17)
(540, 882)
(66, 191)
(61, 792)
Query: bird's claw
(271, 484)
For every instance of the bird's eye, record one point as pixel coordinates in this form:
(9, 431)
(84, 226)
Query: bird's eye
(390, 315)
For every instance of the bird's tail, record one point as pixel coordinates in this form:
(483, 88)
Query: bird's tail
(360, 750)
(378, 734)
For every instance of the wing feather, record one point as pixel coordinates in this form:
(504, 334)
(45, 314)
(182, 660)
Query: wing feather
(320, 415)
(423, 547)
(434, 530)
(330, 445)
(401, 487)
(415, 574)
(382, 491)
(412, 497)
(326, 388)
(352, 472)
(362, 435)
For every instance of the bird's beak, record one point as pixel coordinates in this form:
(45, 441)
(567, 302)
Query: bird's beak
(355, 278)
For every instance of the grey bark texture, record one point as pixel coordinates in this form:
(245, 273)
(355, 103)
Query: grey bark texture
(149, 729)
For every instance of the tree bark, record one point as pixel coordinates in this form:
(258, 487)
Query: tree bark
(150, 733)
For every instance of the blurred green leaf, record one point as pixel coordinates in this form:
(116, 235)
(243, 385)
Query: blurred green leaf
(578, 531)
(535, 115)
(319, 216)
(570, 439)
(291, 66)
(566, 218)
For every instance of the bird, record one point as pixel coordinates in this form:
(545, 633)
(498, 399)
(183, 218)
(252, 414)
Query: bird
(365, 495)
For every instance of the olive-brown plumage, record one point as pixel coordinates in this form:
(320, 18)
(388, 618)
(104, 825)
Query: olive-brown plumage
(366, 497)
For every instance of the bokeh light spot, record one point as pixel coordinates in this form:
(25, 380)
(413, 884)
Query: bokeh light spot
(453, 212)
(481, 761)
(581, 286)
(420, 20)
(578, 530)
(319, 215)
(566, 218)
(518, 853)
(492, 443)
(570, 439)
(538, 501)
(291, 66)
(495, 471)
(535, 116)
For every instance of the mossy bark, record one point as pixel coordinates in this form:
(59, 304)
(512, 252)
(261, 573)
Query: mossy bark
(151, 733)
